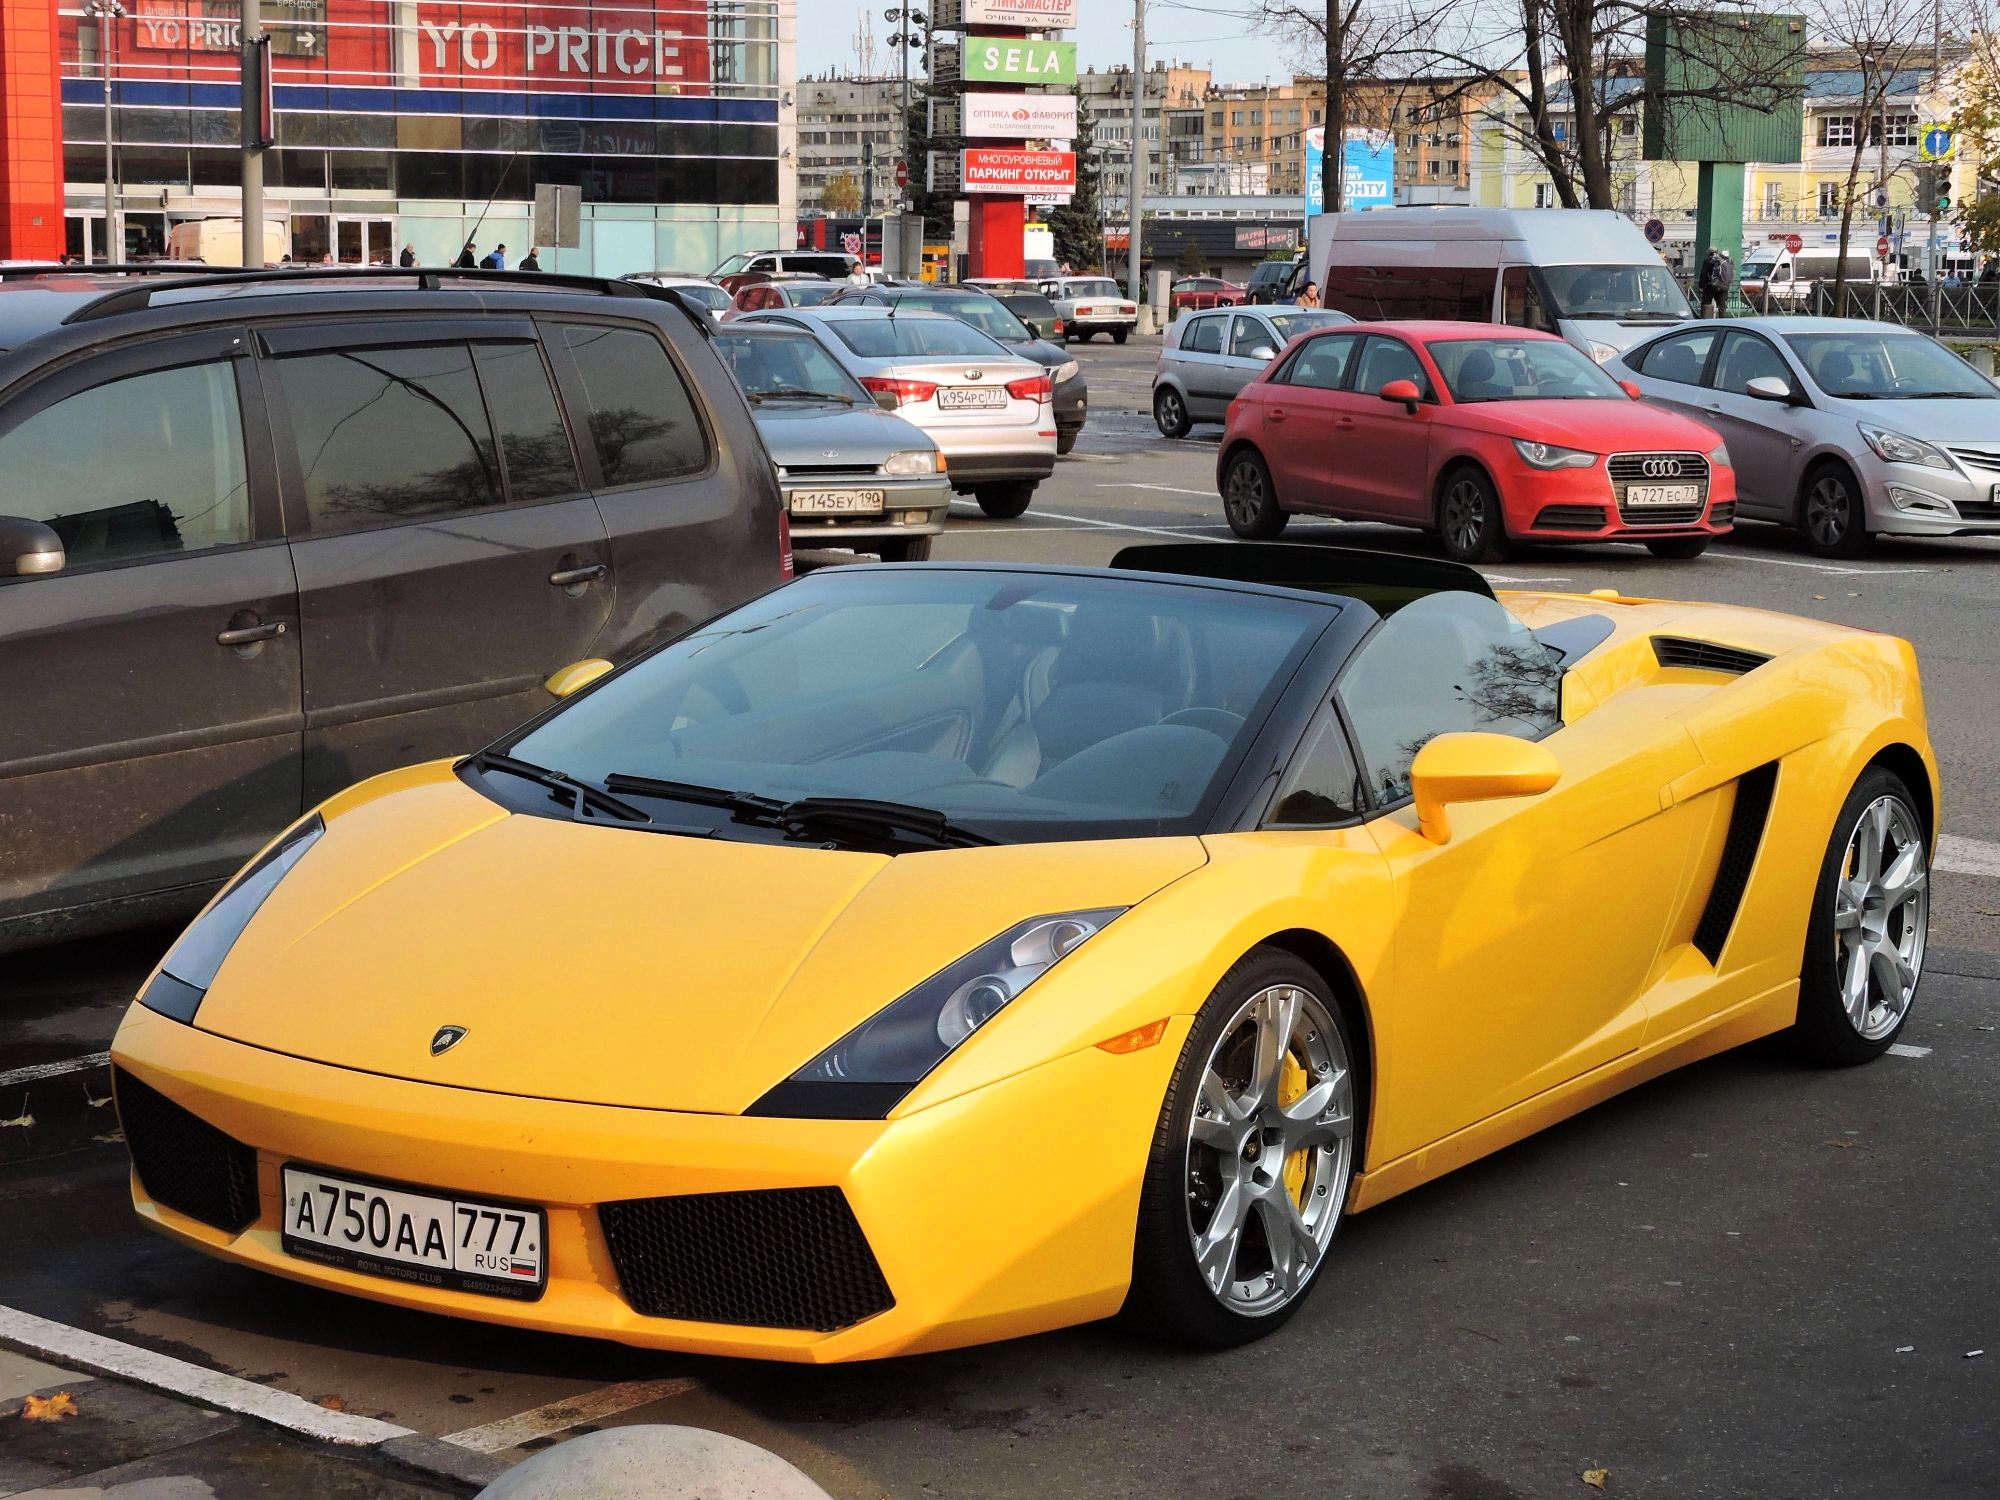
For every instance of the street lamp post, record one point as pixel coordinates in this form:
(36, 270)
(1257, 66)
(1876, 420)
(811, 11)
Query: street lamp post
(256, 88)
(915, 34)
(106, 12)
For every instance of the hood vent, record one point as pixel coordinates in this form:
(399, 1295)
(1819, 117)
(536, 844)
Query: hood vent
(1705, 656)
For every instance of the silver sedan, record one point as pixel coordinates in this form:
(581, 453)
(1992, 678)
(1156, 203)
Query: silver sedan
(1839, 427)
(1207, 357)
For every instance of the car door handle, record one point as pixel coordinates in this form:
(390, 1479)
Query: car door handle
(1342, 423)
(564, 578)
(1275, 414)
(250, 635)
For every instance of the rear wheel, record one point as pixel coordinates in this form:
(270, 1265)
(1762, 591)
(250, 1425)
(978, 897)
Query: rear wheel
(1003, 502)
(1119, 335)
(904, 548)
(1832, 517)
(1066, 439)
(1866, 933)
(1249, 503)
(1678, 548)
(1247, 1179)
(1469, 521)
(1170, 413)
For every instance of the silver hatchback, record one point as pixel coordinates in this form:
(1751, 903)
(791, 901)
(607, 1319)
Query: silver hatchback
(1207, 357)
(1839, 427)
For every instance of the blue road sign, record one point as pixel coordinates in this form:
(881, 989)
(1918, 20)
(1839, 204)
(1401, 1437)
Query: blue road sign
(1937, 143)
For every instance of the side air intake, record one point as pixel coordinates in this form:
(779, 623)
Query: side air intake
(1705, 656)
(1747, 817)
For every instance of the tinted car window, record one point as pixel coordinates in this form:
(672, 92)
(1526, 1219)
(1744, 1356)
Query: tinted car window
(642, 420)
(807, 294)
(385, 434)
(1390, 291)
(1247, 336)
(1385, 360)
(533, 442)
(1680, 358)
(1322, 786)
(1443, 663)
(1034, 308)
(1204, 336)
(1745, 357)
(1321, 363)
(165, 466)
(889, 338)
(989, 316)
(820, 265)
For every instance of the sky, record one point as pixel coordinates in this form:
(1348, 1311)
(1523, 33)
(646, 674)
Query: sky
(1198, 32)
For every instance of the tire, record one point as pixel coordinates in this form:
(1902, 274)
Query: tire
(1003, 502)
(904, 548)
(1881, 898)
(1249, 501)
(1217, 1190)
(1470, 524)
(1119, 335)
(1170, 412)
(1066, 439)
(1833, 519)
(1678, 548)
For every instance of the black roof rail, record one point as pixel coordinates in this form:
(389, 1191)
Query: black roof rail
(133, 268)
(426, 278)
(1385, 580)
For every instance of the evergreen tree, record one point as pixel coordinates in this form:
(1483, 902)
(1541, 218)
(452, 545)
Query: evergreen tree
(935, 207)
(1078, 231)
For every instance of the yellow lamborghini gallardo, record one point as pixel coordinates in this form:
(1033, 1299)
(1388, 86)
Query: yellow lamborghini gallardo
(929, 954)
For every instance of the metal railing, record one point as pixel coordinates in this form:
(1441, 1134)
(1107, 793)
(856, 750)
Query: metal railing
(1971, 310)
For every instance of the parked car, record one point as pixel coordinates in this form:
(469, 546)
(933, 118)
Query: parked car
(256, 548)
(853, 475)
(1040, 314)
(697, 289)
(780, 291)
(1207, 291)
(986, 407)
(835, 265)
(1841, 428)
(1090, 305)
(999, 322)
(1485, 436)
(1773, 276)
(1206, 358)
(1270, 280)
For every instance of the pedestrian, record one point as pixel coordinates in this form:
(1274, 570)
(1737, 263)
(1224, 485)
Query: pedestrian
(532, 261)
(1309, 294)
(408, 258)
(1713, 283)
(496, 259)
(467, 260)
(1990, 272)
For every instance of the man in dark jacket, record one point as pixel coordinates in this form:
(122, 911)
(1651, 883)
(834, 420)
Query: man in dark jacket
(466, 261)
(532, 260)
(408, 257)
(1713, 283)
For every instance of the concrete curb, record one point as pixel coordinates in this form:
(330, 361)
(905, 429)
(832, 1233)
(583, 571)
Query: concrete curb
(654, 1463)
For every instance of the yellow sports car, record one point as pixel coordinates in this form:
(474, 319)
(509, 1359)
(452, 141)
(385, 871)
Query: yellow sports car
(923, 955)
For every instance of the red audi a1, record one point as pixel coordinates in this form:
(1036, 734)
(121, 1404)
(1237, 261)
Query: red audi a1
(1483, 435)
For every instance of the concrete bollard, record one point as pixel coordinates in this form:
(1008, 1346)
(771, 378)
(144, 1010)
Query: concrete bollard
(1982, 359)
(653, 1463)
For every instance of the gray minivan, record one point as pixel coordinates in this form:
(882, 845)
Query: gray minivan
(272, 532)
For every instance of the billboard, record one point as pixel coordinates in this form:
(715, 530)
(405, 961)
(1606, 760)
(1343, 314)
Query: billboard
(1029, 15)
(1367, 170)
(1017, 116)
(1014, 59)
(1040, 173)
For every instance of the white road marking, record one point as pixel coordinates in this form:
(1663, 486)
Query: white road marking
(35, 1072)
(1056, 515)
(1510, 578)
(1903, 1049)
(1963, 856)
(1792, 562)
(78, 1349)
(1165, 489)
(560, 1416)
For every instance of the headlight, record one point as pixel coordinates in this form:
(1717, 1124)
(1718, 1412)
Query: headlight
(914, 461)
(1549, 456)
(1600, 352)
(866, 1072)
(192, 963)
(1718, 457)
(1898, 449)
(1066, 371)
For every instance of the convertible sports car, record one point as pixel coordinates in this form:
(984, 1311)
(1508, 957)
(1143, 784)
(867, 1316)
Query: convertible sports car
(927, 954)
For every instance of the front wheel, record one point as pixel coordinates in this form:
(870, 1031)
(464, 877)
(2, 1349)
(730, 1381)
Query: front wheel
(1249, 502)
(1678, 548)
(1170, 413)
(1869, 921)
(1832, 516)
(1119, 335)
(1469, 520)
(904, 548)
(1003, 502)
(1247, 1178)
(1066, 439)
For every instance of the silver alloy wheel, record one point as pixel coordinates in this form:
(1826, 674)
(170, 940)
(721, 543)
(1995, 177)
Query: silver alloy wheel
(1270, 1150)
(1829, 510)
(1881, 912)
(1243, 495)
(1168, 414)
(1464, 516)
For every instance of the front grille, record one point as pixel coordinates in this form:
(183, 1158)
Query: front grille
(1747, 816)
(183, 1161)
(1705, 656)
(1984, 459)
(1570, 517)
(1628, 469)
(780, 1258)
(1978, 510)
(829, 471)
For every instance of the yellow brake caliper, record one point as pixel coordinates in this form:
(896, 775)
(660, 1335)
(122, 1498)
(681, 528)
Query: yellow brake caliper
(1291, 1087)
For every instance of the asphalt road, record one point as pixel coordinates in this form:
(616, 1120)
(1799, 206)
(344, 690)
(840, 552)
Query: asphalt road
(1749, 1278)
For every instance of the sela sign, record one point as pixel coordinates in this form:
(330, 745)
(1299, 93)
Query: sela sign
(1017, 173)
(1018, 117)
(1029, 15)
(1012, 59)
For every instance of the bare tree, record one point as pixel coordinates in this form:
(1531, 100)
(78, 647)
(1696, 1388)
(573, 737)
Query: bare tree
(841, 196)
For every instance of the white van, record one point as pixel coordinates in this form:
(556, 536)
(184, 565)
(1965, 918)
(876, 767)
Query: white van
(1771, 273)
(1587, 274)
(220, 241)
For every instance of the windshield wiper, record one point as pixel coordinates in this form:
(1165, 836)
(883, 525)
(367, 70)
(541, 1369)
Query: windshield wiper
(786, 393)
(581, 794)
(868, 815)
(740, 803)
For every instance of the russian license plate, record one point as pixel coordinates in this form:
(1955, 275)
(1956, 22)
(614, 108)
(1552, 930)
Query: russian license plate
(971, 398)
(463, 1244)
(836, 502)
(1663, 494)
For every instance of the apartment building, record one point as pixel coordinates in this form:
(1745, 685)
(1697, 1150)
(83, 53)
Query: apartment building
(1171, 89)
(836, 115)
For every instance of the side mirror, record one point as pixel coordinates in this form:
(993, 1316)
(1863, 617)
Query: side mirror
(1631, 388)
(1473, 767)
(28, 548)
(1404, 391)
(575, 677)
(1769, 388)
(1264, 352)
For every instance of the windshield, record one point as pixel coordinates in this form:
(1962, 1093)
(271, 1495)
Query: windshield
(1875, 366)
(1292, 324)
(733, 264)
(787, 366)
(1023, 706)
(714, 298)
(1520, 370)
(822, 265)
(921, 336)
(1758, 268)
(1647, 291)
(809, 293)
(984, 313)
(1091, 289)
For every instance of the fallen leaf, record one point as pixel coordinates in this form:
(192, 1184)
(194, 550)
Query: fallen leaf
(1906, 1348)
(23, 1119)
(1819, 596)
(1597, 1479)
(1974, 1353)
(1838, 1145)
(333, 1403)
(49, 1408)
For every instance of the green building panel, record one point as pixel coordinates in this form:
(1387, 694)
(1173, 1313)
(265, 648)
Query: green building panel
(1755, 63)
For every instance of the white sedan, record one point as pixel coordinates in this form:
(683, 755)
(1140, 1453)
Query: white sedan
(1092, 304)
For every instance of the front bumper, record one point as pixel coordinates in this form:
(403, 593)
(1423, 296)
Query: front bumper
(1578, 505)
(998, 1213)
(1912, 500)
(925, 499)
(1072, 403)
